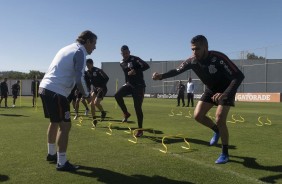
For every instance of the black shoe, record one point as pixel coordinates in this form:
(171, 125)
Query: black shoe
(52, 158)
(139, 133)
(126, 116)
(103, 115)
(94, 122)
(67, 167)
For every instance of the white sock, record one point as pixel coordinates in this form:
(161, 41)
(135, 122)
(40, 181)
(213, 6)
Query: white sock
(62, 158)
(51, 149)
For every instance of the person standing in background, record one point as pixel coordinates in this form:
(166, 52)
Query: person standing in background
(34, 90)
(15, 92)
(180, 93)
(4, 92)
(190, 92)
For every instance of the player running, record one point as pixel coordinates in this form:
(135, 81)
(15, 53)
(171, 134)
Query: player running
(133, 68)
(98, 79)
(222, 78)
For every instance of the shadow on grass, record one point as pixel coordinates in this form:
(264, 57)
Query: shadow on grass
(251, 163)
(172, 140)
(118, 120)
(4, 178)
(14, 115)
(111, 177)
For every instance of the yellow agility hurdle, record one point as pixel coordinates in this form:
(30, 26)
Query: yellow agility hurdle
(111, 131)
(80, 119)
(189, 115)
(170, 136)
(268, 121)
(236, 120)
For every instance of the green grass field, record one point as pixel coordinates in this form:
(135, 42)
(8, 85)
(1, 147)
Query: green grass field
(255, 148)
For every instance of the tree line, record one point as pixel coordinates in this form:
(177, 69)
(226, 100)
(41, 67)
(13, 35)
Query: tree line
(21, 75)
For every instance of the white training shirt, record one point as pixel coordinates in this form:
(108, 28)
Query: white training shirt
(66, 70)
(190, 87)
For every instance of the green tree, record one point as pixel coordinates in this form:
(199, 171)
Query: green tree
(253, 56)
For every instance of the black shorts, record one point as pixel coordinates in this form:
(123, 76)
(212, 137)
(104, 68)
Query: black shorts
(71, 97)
(15, 94)
(56, 107)
(79, 95)
(4, 95)
(207, 97)
(100, 92)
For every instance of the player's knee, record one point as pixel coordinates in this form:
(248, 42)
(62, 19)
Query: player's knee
(198, 117)
(220, 119)
(65, 126)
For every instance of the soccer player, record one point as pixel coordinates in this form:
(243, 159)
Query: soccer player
(66, 70)
(4, 92)
(133, 68)
(98, 78)
(34, 90)
(15, 92)
(222, 78)
(80, 98)
(180, 93)
(190, 92)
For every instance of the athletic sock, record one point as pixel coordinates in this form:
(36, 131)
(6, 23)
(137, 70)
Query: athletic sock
(62, 158)
(51, 149)
(215, 128)
(225, 149)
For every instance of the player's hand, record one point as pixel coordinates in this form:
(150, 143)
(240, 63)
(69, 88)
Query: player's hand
(218, 97)
(156, 76)
(131, 72)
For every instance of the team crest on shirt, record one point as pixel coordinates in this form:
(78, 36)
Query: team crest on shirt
(67, 115)
(130, 65)
(212, 69)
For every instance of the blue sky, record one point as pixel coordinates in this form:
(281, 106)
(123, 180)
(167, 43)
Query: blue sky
(32, 31)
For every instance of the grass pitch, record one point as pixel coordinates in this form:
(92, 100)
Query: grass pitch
(255, 147)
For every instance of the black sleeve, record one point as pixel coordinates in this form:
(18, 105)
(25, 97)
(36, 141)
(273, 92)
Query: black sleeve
(186, 65)
(104, 76)
(232, 72)
(141, 65)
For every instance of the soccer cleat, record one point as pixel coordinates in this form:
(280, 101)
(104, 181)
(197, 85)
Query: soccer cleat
(75, 117)
(214, 139)
(51, 158)
(126, 116)
(103, 115)
(67, 167)
(86, 112)
(13, 105)
(222, 159)
(139, 133)
(94, 122)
